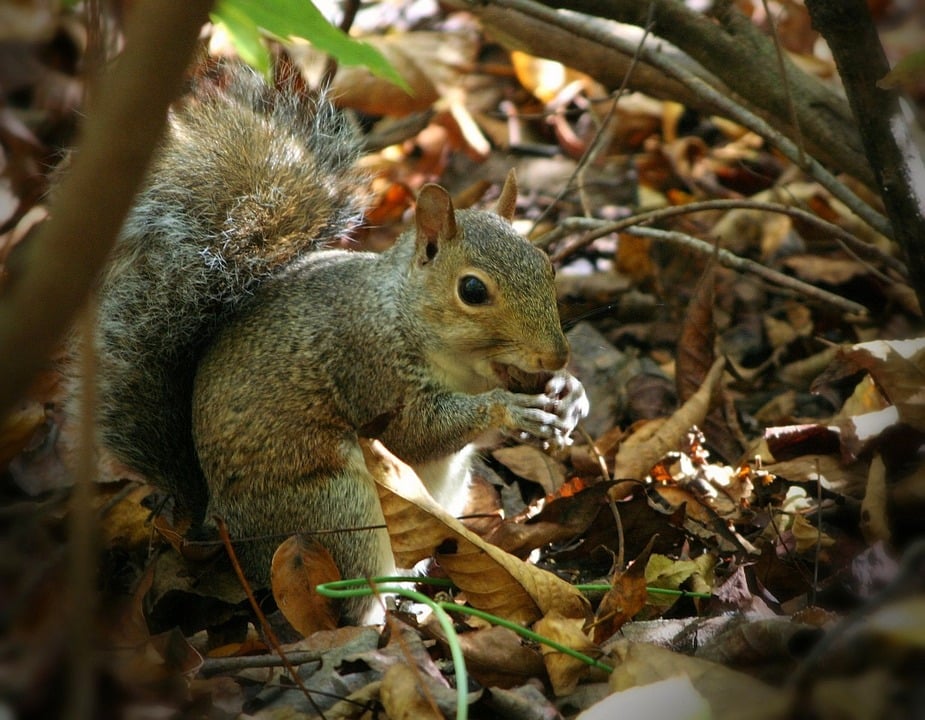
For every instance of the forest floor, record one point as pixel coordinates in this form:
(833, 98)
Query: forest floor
(744, 499)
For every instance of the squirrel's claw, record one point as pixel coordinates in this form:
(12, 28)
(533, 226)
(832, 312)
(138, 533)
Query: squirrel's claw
(570, 399)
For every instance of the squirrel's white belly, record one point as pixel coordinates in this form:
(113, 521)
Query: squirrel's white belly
(447, 479)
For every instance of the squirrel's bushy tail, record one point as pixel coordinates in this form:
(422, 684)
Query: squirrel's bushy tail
(247, 179)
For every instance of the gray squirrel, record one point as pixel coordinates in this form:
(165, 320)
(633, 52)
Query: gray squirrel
(240, 360)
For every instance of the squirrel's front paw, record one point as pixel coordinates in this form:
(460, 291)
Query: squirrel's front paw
(569, 401)
(548, 419)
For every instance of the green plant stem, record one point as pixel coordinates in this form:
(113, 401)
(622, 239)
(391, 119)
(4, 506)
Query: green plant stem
(527, 633)
(604, 587)
(360, 587)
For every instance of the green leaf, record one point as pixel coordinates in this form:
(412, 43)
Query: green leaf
(245, 35)
(907, 72)
(285, 19)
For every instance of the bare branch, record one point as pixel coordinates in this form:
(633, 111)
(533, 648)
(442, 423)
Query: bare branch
(732, 55)
(600, 33)
(596, 229)
(897, 162)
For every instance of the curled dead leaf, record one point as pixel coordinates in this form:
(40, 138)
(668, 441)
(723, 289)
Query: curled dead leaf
(635, 460)
(565, 671)
(299, 564)
(532, 464)
(493, 580)
(626, 597)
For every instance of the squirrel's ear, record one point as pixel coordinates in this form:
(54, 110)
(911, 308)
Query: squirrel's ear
(435, 220)
(507, 202)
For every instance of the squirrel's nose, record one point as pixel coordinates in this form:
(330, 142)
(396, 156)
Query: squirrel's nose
(556, 358)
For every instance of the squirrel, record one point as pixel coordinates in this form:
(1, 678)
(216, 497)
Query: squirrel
(241, 358)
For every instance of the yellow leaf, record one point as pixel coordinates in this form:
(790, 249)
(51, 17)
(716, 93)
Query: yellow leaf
(402, 696)
(564, 671)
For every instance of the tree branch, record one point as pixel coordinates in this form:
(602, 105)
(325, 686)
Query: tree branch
(897, 162)
(744, 57)
(733, 56)
(602, 34)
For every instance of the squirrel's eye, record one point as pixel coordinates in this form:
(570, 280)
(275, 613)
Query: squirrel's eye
(472, 290)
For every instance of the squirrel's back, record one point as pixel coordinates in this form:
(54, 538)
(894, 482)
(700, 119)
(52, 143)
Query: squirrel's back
(247, 178)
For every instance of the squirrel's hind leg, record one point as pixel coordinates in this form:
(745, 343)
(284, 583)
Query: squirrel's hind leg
(338, 507)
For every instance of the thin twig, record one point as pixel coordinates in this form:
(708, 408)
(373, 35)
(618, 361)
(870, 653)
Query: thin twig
(82, 528)
(596, 229)
(219, 666)
(740, 264)
(889, 142)
(596, 143)
(788, 95)
(262, 619)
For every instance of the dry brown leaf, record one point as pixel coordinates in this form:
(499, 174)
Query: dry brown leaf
(859, 432)
(834, 474)
(493, 580)
(800, 373)
(780, 333)
(677, 497)
(496, 656)
(299, 564)
(252, 644)
(875, 523)
(402, 698)
(533, 464)
(560, 519)
(429, 62)
(728, 692)
(124, 526)
(564, 671)
(739, 230)
(545, 79)
(894, 393)
(133, 654)
(634, 461)
(626, 597)
(776, 233)
(898, 368)
(674, 698)
(807, 536)
(829, 270)
(504, 585)
(695, 355)
(865, 398)
(634, 259)
(650, 395)
(695, 346)
(17, 429)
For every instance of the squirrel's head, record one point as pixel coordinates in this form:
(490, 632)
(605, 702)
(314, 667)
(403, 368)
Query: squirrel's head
(486, 294)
